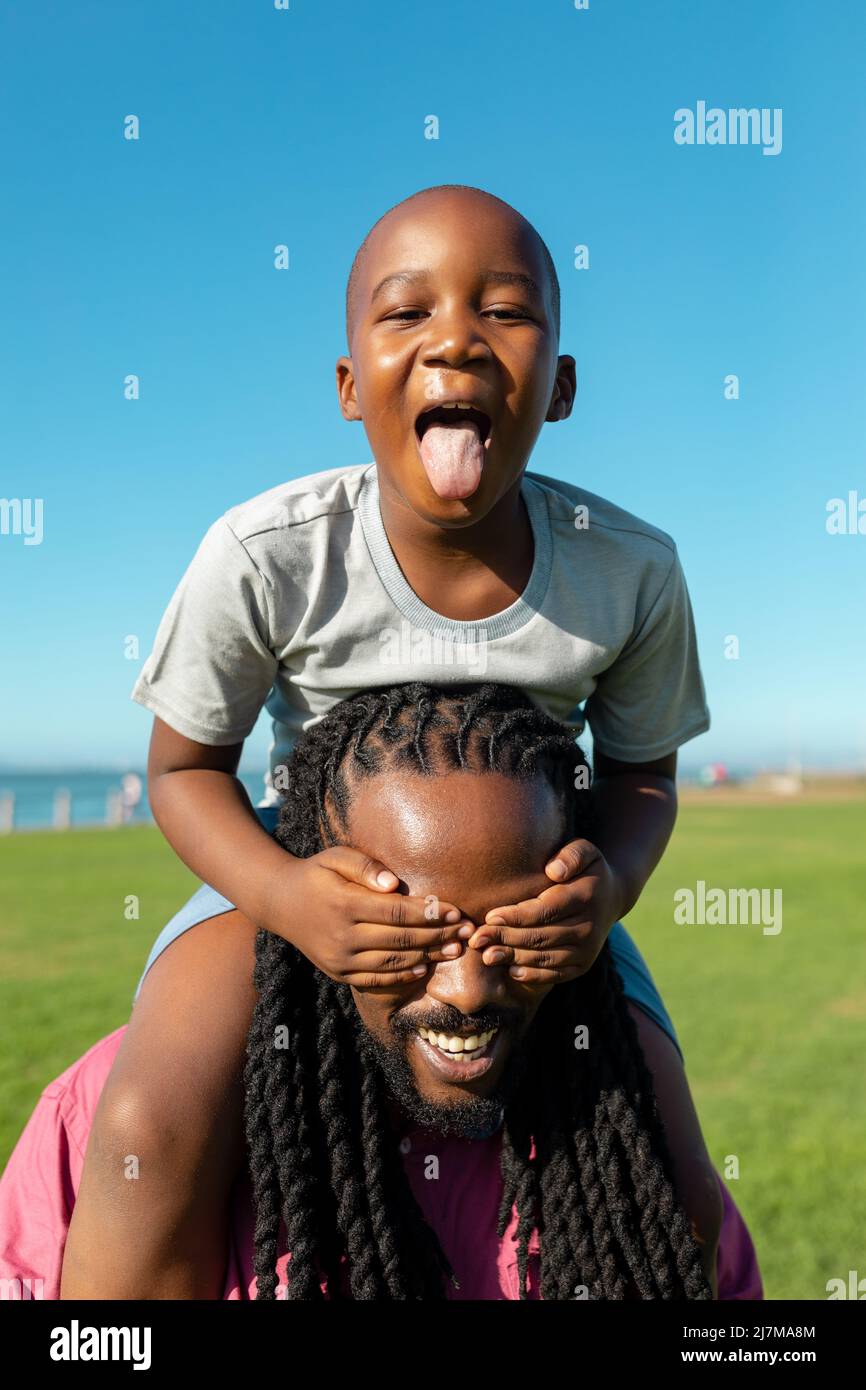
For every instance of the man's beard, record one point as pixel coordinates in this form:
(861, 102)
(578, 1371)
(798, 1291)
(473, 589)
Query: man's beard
(468, 1116)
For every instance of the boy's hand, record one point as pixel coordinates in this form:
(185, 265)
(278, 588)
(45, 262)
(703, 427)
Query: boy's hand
(559, 934)
(339, 907)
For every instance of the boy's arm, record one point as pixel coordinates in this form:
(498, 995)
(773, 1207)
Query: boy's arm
(635, 809)
(205, 814)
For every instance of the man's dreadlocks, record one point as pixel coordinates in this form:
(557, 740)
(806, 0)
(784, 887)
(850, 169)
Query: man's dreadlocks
(324, 1155)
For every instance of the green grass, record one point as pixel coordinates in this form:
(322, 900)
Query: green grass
(773, 1028)
(70, 958)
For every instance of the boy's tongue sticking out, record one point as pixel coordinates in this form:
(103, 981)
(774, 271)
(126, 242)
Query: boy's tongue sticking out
(453, 457)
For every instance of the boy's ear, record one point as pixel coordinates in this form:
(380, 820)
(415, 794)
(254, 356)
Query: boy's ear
(564, 389)
(346, 389)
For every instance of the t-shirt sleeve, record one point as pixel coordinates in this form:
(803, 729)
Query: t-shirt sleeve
(652, 699)
(212, 665)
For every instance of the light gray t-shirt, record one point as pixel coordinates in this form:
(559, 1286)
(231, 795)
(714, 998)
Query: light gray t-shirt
(294, 600)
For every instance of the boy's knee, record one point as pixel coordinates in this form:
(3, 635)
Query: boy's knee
(167, 1132)
(136, 1130)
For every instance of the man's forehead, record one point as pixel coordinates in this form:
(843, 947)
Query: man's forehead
(472, 835)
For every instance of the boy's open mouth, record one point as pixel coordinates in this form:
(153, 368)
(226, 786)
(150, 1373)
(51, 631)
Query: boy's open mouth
(452, 439)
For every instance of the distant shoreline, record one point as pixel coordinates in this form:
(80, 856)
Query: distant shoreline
(763, 790)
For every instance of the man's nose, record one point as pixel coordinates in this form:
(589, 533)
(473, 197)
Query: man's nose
(467, 983)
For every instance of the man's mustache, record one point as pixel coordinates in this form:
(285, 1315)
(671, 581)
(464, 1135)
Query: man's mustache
(449, 1020)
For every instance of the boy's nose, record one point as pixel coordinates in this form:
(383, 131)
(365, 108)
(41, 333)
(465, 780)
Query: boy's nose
(467, 983)
(454, 338)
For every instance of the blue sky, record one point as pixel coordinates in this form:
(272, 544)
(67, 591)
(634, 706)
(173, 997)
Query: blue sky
(261, 126)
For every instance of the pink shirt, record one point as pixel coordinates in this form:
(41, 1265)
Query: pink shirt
(39, 1186)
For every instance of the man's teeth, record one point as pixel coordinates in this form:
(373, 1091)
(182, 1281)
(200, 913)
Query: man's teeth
(460, 1049)
(457, 405)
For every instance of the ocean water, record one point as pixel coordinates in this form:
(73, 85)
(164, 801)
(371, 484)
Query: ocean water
(92, 797)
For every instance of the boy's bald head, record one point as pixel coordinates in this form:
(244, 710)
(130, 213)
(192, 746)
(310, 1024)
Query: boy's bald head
(420, 201)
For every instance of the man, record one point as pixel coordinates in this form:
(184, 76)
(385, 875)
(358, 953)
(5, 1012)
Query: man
(467, 1136)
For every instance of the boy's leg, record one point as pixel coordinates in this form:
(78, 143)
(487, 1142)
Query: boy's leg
(695, 1178)
(174, 1099)
(637, 981)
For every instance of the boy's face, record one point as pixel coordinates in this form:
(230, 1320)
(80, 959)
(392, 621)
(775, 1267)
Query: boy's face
(458, 330)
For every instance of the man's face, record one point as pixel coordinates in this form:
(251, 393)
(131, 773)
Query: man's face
(478, 840)
(469, 319)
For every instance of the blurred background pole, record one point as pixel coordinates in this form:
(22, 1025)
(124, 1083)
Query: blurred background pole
(62, 809)
(7, 812)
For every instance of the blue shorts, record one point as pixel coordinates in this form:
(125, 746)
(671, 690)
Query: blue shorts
(637, 981)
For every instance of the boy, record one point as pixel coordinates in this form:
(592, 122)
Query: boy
(294, 601)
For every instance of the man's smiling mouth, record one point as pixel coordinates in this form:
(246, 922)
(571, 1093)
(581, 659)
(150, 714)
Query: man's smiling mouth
(463, 1049)
(457, 1058)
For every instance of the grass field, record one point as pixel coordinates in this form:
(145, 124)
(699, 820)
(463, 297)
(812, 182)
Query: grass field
(773, 1027)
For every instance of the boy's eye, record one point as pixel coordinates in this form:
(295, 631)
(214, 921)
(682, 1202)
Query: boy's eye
(507, 312)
